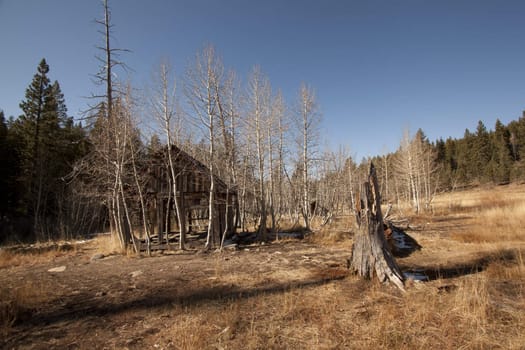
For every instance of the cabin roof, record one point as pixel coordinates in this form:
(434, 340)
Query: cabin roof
(184, 160)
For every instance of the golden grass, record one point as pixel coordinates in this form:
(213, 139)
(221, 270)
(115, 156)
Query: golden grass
(10, 257)
(353, 314)
(495, 215)
(108, 244)
(478, 199)
(482, 310)
(339, 231)
(495, 224)
(18, 304)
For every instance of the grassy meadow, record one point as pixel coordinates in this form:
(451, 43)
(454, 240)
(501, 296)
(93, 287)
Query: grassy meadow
(473, 240)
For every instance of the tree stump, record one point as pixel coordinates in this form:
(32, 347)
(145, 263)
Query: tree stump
(370, 251)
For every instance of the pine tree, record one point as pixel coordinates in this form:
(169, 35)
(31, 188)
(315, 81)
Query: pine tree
(482, 153)
(47, 143)
(29, 128)
(501, 160)
(517, 141)
(444, 171)
(465, 158)
(451, 161)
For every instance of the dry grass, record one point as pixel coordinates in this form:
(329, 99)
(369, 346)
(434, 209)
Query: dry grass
(16, 256)
(490, 216)
(478, 199)
(354, 314)
(108, 244)
(18, 304)
(339, 231)
(482, 309)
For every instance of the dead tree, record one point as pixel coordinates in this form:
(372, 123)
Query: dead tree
(370, 251)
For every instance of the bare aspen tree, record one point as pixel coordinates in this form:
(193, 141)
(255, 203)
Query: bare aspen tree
(139, 184)
(308, 122)
(406, 168)
(200, 89)
(414, 163)
(350, 169)
(244, 185)
(257, 122)
(131, 155)
(227, 101)
(334, 190)
(280, 112)
(163, 104)
(276, 150)
(125, 159)
(426, 163)
(271, 173)
(108, 168)
(386, 178)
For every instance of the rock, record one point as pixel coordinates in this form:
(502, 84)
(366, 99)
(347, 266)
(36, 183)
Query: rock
(57, 269)
(97, 256)
(136, 273)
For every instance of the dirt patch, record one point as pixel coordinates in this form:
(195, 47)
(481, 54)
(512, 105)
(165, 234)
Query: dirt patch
(102, 302)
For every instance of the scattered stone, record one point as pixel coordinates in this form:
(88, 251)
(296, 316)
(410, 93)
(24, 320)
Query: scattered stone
(97, 256)
(136, 273)
(57, 269)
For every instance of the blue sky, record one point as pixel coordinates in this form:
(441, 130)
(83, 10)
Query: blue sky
(378, 67)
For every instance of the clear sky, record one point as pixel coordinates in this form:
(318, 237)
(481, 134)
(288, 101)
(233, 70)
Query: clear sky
(378, 67)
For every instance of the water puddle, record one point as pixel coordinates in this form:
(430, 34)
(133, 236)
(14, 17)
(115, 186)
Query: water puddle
(418, 275)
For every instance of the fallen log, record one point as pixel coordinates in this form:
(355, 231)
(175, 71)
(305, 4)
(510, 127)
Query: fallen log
(370, 253)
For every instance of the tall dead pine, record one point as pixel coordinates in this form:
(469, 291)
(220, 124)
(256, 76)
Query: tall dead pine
(370, 251)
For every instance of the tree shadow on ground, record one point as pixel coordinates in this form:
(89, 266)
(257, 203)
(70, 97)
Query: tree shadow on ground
(433, 272)
(80, 307)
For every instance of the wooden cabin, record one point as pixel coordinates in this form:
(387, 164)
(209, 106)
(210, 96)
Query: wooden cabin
(192, 194)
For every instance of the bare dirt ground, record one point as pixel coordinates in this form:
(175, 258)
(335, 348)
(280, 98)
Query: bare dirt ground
(120, 301)
(289, 294)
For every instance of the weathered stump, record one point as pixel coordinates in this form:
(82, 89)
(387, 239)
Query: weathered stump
(370, 253)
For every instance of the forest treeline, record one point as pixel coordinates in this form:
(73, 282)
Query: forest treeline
(62, 178)
(480, 157)
(57, 173)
